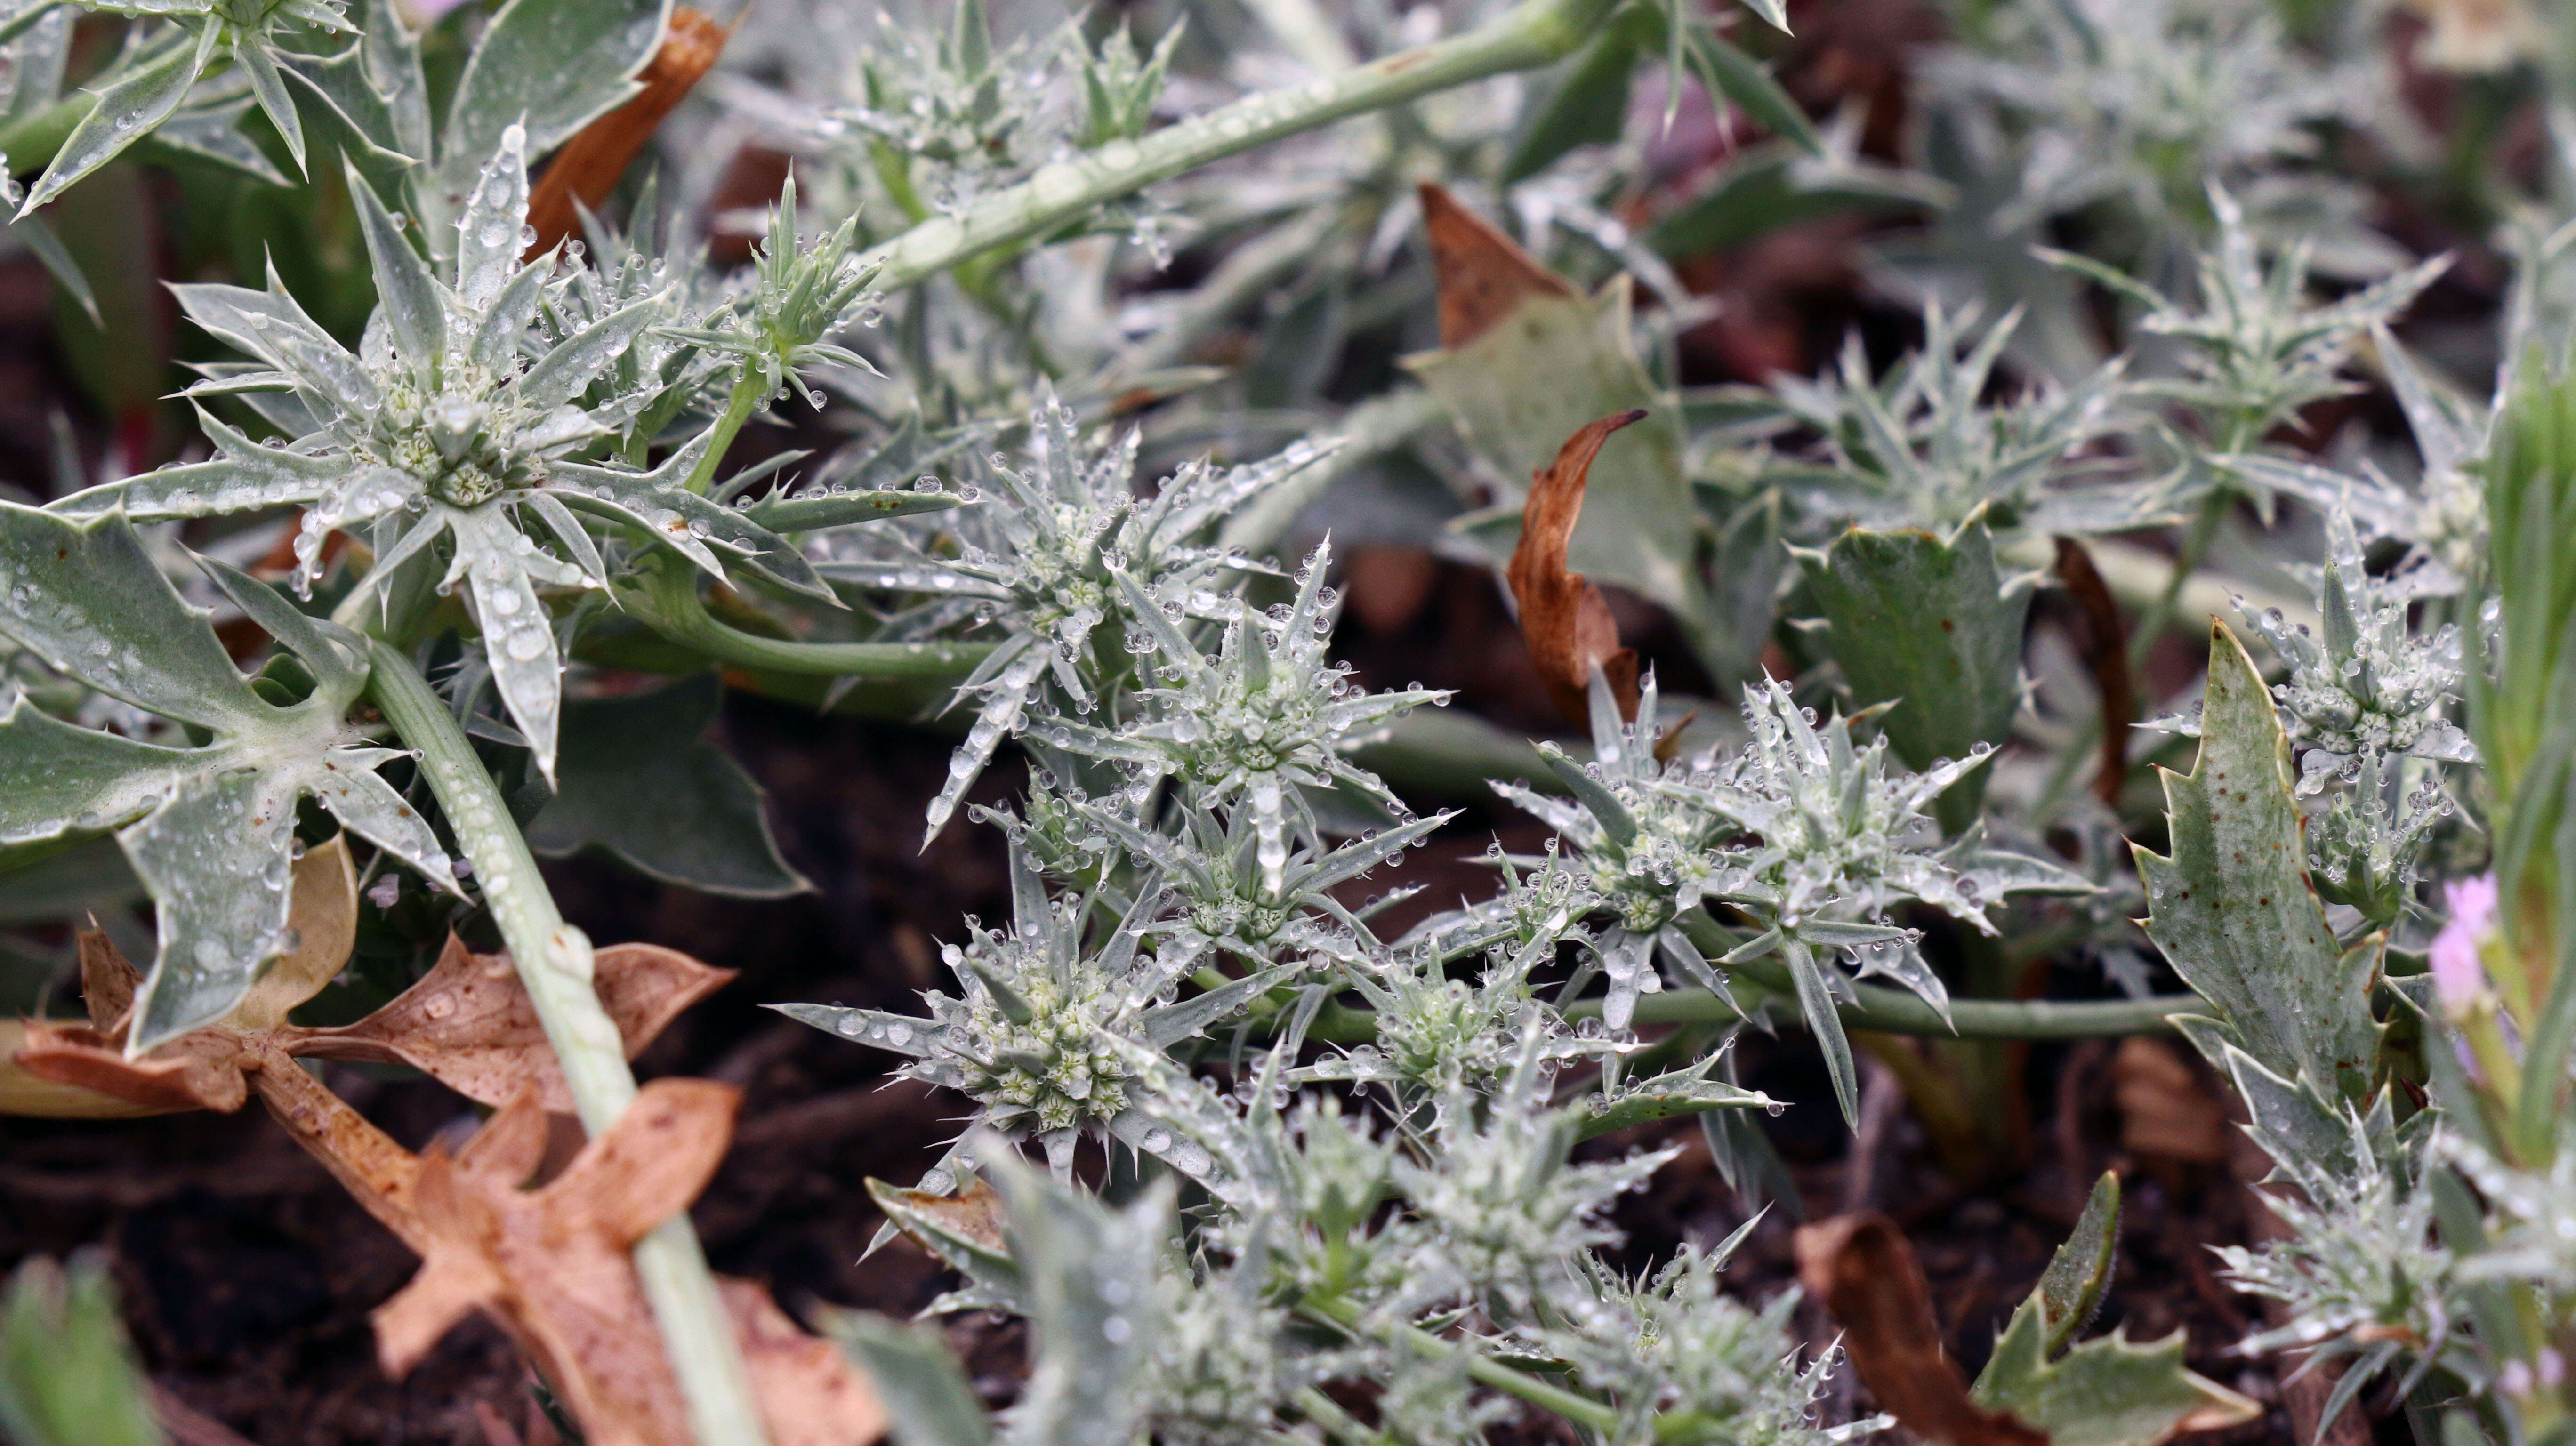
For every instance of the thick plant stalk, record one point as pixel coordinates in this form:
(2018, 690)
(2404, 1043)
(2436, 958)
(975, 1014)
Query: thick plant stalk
(671, 606)
(554, 963)
(1062, 192)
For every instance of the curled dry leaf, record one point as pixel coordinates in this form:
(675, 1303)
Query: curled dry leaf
(1563, 616)
(1865, 1273)
(69, 1071)
(26, 1093)
(554, 1264)
(554, 1267)
(588, 166)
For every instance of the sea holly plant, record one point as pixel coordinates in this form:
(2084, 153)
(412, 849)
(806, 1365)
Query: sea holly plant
(1030, 1040)
(1806, 834)
(1101, 339)
(460, 418)
(1254, 730)
(183, 44)
(1041, 562)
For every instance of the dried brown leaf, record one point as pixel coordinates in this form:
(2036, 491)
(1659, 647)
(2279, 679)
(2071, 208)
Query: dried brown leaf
(1484, 274)
(108, 981)
(973, 1216)
(470, 1024)
(377, 1173)
(70, 1067)
(2166, 1111)
(1564, 618)
(199, 1071)
(1864, 1272)
(553, 1265)
(587, 167)
(810, 1394)
(24, 1092)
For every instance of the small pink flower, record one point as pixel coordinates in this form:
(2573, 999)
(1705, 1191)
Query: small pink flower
(2459, 975)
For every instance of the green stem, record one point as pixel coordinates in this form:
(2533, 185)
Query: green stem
(1062, 192)
(1580, 1409)
(1894, 1011)
(554, 963)
(1889, 1011)
(739, 405)
(670, 605)
(1335, 1422)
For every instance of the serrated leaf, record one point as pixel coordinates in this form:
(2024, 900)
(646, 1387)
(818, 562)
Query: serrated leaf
(1928, 624)
(2105, 1392)
(1685, 1091)
(208, 829)
(2231, 908)
(640, 781)
(964, 1230)
(1090, 1302)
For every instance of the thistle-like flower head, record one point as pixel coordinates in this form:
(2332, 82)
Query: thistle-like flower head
(1644, 852)
(1437, 1035)
(2255, 349)
(1038, 557)
(2368, 689)
(2137, 104)
(255, 36)
(798, 298)
(1924, 447)
(1217, 896)
(1504, 1206)
(1677, 1345)
(461, 416)
(1034, 1038)
(1253, 728)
